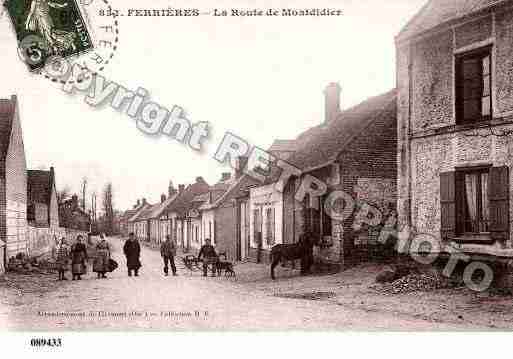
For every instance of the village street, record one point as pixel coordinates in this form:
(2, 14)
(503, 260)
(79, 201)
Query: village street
(153, 301)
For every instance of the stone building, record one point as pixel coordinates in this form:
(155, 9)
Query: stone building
(263, 213)
(43, 209)
(13, 183)
(179, 213)
(204, 216)
(455, 125)
(124, 227)
(352, 151)
(161, 223)
(42, 212)
(139, 223)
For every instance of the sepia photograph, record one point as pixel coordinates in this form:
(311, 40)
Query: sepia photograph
(255, 166)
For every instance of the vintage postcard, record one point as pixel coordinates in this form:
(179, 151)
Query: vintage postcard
(329, 165)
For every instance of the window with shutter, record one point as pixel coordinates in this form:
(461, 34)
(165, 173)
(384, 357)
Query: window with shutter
(257, 228)
(268, 226)
(473, 86)
(481, 203)
(448, 205)
(472, 203)
(498, 194)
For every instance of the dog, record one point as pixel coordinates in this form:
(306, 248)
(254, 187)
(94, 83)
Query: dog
(227, 267)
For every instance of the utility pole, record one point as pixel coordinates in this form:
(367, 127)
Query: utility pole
(84, 189)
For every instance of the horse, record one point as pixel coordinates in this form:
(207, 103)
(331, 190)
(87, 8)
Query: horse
(288, 252)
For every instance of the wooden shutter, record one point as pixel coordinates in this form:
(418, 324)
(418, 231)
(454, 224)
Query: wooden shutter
(272, 227)
(215, 232)
(256, 230)
(448, 205)
(498, 196)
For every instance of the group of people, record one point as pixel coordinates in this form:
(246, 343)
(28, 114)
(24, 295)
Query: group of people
(132, 251)
(168, 248)
(74, 258)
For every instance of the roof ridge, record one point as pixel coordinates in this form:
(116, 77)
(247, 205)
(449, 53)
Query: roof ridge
(371, 121)
(409, 31)
(414, 18)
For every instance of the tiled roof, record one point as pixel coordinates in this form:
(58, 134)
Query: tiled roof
(7, 110)
(321, 145)
(39, 186)
(283, 146)
(139, 212)
(239, 188)
(127, 214)
(437, 12)
(216, 192)
(160, 208)
(147, 213)
(184, 202)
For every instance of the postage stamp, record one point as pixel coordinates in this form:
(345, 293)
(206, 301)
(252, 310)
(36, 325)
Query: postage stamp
(46, 28)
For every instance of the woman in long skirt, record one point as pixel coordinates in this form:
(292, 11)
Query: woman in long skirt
(62, 261)
(78, 259)
(101, 261)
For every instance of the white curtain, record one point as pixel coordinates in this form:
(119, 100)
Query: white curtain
(471, 191)
(485, 205)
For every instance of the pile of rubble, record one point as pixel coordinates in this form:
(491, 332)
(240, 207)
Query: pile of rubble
(417, 282)
(23, 264)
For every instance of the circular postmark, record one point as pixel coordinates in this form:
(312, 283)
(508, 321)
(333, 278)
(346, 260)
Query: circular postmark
(103, 26)
(65, 41)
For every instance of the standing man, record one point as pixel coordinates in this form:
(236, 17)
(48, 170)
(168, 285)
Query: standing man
(209, 257)
(168, 253)
(132, 251)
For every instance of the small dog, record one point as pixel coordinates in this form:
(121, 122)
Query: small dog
(227, 267)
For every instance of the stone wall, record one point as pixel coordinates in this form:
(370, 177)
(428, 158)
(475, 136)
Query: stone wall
(42, 240)
(430, 141)
(15, 192)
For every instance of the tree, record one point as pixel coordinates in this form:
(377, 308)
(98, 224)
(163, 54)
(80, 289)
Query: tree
(108, 209)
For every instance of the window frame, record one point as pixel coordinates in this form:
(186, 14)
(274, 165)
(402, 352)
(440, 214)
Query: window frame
(480, 53)
(461, 199)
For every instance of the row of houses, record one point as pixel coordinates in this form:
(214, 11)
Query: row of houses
(353, 150)
(30, 215)
(435, 153)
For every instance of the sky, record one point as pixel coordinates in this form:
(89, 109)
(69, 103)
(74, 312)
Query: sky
(261, 78)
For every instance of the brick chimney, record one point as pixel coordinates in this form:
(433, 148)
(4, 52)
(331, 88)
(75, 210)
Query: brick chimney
(332, 101)
(171, 191)
(162, 198)
(242, 162)
(144, 202)
(226, 176)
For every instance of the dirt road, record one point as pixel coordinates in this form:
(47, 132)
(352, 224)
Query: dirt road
(187, 302)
